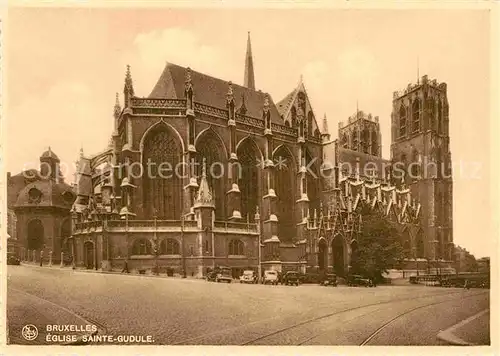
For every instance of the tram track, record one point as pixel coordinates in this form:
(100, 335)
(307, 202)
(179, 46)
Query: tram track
(340, 312)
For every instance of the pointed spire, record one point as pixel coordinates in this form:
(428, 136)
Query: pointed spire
(243, 108)
(204, 196)
(117, 108)
(81, 151)
(249, 80)
(187, 82)
(325, 125)
(129, 87)
(266, 103)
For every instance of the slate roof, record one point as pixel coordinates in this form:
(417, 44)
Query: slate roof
(284, 104)
(211, 91)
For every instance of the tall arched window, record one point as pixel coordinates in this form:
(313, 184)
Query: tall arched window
(285, 190)
(35, 235)
(312, 183)
(416, 115)
(374, 143)
(210, 147)
(310, 123)
(248, 182)
(345, 141)
(366, 140)
(294, 117)
(141, 247)
(170, 247)
(236, 247)
(354, 140)
(162, 188)
(432, 116)
(402, 121)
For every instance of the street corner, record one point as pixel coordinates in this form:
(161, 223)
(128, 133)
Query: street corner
(472, 331)
(35, 321)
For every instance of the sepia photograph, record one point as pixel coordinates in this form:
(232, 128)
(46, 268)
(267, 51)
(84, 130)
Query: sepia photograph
(229, 176)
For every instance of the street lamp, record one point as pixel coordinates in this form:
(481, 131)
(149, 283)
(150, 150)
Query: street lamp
(183, 248)
(155, 238)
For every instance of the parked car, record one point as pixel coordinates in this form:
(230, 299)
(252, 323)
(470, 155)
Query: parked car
(270, 277)
(211, 276)
(13, 260)
(291, 278)
(248, 276)
(329, 279)
(224, 275)
(358, 280)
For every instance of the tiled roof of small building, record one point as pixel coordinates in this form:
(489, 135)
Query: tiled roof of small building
(211, 91)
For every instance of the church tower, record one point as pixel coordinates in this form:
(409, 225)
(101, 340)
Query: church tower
(421, 159)
(249, 80)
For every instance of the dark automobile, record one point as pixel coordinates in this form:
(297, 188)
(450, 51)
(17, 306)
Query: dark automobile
(13, 260)
(358, 280)
(329, 279)
(291, 278)
(211, 276)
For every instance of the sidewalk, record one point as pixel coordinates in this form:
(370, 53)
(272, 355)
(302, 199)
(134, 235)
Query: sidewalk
(115, 272)
(474, 330)
(24, 309)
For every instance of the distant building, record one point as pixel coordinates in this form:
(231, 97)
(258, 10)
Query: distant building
(39, 204)
(483, 265)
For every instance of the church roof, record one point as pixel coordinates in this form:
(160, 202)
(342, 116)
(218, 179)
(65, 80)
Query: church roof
(49, 154)
(211, 91)
(46, 193)
(284, 104)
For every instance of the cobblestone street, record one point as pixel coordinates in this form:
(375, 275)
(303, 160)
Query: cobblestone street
(190, 311)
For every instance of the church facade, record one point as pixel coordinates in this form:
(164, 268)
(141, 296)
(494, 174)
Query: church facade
(204, 172)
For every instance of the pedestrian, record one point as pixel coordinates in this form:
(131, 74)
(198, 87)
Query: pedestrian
(125, 267)
(466, 284)
(41, 258)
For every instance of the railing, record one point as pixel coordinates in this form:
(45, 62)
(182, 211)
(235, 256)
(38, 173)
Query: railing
(224, 225)
(251, 121)
(135, 224)
(210, 110)
(285, 130)
(159, 103)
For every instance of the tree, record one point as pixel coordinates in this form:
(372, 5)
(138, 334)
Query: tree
(378, 246)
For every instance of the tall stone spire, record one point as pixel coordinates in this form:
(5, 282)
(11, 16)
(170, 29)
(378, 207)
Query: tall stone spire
(249, 75)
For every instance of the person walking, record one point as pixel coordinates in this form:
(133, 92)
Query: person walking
(41, 258)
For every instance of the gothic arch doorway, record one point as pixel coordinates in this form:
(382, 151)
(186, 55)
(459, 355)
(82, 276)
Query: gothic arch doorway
(35, 235)
(338, 255)
(322, 255)
(88, 253)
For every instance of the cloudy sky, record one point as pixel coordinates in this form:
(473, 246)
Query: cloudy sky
(65, 66)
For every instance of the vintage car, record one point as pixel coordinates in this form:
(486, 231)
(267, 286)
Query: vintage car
(358, 280)
(270, 277)
(248, 276)
(329, 279)
(13, 260)
(224, 275)
(291, 278)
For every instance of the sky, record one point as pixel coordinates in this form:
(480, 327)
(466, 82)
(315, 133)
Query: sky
(65, 66)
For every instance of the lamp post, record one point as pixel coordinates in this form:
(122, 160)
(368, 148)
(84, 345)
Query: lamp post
(183, 248)
(157, 268)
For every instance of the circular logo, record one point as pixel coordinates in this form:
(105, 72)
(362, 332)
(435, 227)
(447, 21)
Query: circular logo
(29, 332)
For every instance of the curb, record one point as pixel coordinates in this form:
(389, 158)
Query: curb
(449, 337)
